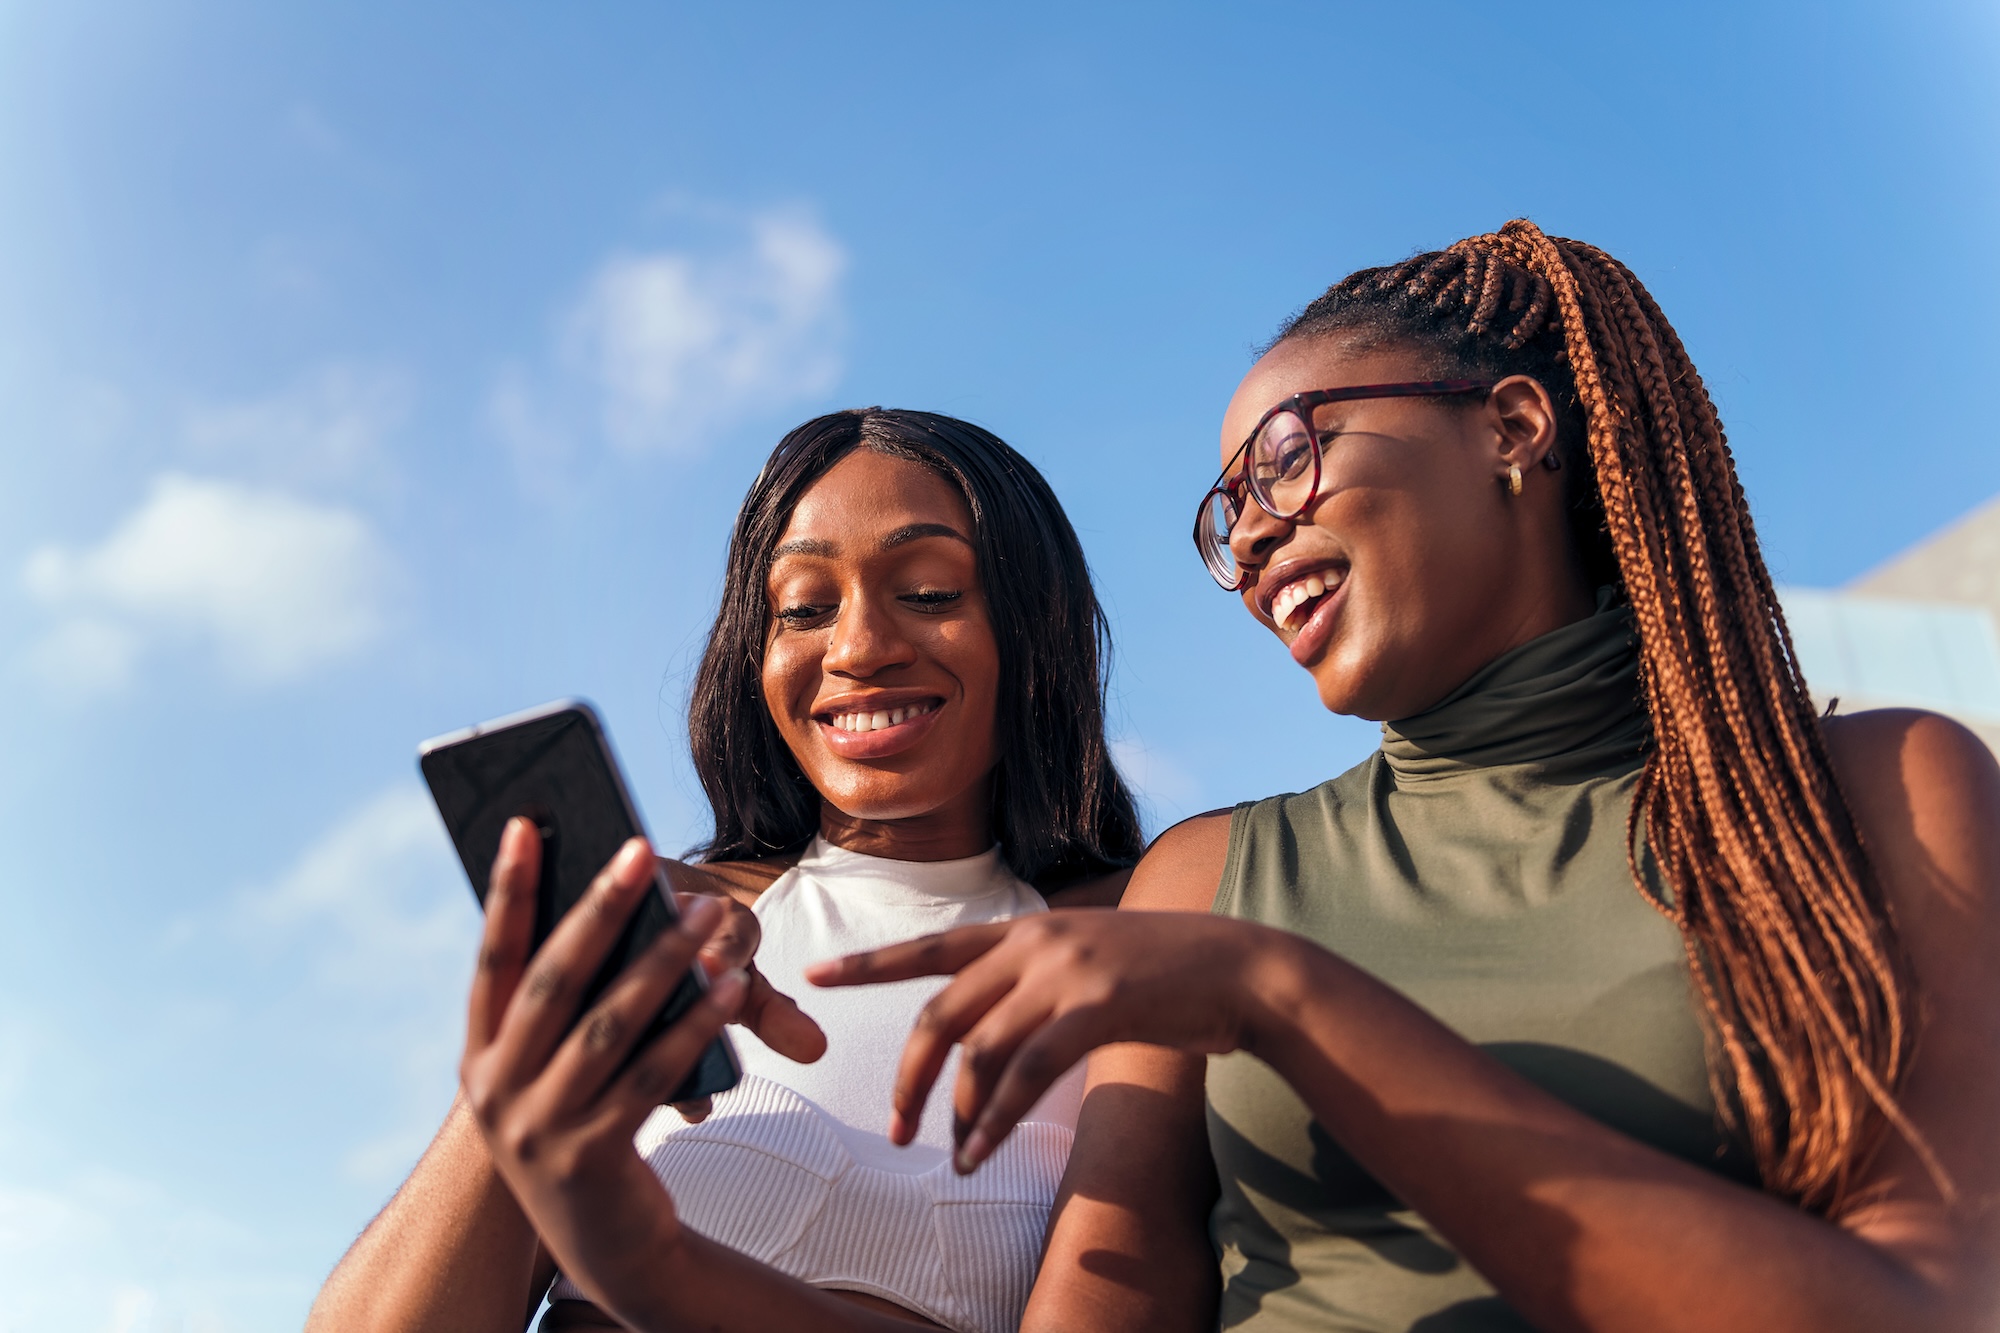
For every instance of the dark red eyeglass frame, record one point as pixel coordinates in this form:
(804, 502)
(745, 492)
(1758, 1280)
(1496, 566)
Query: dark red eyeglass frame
(1301, 405)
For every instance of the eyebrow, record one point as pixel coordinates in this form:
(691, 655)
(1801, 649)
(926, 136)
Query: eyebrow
(806, 546)
(916, 531)
(909, 532)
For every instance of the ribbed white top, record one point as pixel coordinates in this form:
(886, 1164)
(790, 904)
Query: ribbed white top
(793, 1168)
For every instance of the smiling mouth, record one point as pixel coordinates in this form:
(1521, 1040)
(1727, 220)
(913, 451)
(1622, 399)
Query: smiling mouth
(862, 720)
(1294, 603)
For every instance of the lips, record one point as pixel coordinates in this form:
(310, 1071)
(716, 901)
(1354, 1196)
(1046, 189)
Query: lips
(876, 726)
(1303, 602)
(1288, 600)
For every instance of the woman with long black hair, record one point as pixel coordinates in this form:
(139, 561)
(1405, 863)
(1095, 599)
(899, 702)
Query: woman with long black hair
(1617, 991)
(898, 722)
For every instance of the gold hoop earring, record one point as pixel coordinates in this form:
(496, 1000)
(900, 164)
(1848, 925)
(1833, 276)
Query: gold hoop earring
(1514, 478)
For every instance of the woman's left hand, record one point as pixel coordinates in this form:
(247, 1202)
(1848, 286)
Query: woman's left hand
(555, 1107)
(1034, 995)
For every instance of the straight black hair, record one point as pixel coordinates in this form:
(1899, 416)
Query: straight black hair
(1060, 810)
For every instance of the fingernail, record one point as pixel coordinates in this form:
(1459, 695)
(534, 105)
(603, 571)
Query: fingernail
(633, 852)
(728, 989)
(971, 1153)
(700, 916)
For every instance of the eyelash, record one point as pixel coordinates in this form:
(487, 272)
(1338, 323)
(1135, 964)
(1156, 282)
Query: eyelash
(929, 603)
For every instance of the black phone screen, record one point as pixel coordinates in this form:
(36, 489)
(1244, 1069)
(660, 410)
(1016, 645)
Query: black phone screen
(555, 766)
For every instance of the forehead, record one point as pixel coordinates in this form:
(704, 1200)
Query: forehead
(868, 496)
(1301, 364)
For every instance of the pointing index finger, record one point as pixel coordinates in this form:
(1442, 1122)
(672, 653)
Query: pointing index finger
(928, 956)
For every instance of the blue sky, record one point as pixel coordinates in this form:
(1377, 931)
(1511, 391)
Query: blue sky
(367, 370)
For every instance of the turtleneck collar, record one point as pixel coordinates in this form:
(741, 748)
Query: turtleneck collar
(1567, 702)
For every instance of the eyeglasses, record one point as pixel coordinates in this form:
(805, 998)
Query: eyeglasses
(1281, 464)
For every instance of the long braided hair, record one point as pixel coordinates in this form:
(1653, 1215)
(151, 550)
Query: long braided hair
(1809, 997)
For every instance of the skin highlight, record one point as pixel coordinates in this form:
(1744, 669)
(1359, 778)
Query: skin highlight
(874, 599)
(1577, 1226)
(876, 606)
(1444, 569)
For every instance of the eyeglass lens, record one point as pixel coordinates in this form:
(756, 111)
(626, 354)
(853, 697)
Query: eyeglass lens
(1284, 469)
(1211, 535)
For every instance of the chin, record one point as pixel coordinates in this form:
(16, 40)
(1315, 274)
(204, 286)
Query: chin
(909, 799)
(1354, 688)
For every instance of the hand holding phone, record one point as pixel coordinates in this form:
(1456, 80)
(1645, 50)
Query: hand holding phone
(554, 766)
(558, 1090)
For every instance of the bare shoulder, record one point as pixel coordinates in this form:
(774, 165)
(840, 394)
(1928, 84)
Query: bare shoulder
(1182, 869)
(743, 881)
(1925, 793)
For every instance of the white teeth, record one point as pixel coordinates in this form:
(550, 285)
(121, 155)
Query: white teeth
(876, 721)
(1296, 594)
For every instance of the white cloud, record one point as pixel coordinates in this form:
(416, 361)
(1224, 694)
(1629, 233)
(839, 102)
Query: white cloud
(382, 897)
(105, 1250)
(378, 915)
(328, 427)
(277, 585)
(674, 345)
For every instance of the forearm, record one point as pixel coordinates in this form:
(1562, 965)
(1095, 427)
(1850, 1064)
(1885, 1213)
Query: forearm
(1128, 1248)
(451, 1253)
(1577, 1225)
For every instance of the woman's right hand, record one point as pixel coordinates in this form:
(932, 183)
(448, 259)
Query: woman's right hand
(1033, 996)
(558, 1095)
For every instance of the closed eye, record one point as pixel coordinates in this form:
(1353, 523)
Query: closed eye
(802, 616)
(932, 601)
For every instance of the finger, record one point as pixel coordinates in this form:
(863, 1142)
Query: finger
(951, 1014)
(665, 1064)
(987, 1051)
(606, 1035)
(779, 1023)
(1046, 1054)
(696, 1111)
(552, 987)
(931, 956)
(735, 942)
(509, 932)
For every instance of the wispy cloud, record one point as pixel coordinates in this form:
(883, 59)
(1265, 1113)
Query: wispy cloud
(273, 584)
(376, 915)
(671, 346)
(328, 427)
(107, 1250)
(380, 895)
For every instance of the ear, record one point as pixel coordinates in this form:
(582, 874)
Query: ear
(1524, 417)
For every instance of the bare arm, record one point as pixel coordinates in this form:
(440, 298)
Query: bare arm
(1578, 1226)
(451, 1252)
(1128, 1244)
(558, 1095)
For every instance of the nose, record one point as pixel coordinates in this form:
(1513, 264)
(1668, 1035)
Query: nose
(1256, 535)
(866, 639)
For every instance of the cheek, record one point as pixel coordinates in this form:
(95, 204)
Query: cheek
(790, 677)
(968, 651)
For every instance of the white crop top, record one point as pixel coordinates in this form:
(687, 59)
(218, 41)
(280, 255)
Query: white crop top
(794, 1168)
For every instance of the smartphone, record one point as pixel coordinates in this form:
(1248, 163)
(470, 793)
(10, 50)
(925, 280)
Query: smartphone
(554, 764)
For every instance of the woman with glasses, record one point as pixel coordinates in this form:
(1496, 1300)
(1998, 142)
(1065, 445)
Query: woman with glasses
(899, 724)
(1617, 991)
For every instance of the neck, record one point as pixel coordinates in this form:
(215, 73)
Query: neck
(961, 828)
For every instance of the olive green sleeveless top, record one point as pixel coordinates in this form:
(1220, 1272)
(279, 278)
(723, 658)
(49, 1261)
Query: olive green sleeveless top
(1477, 863)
